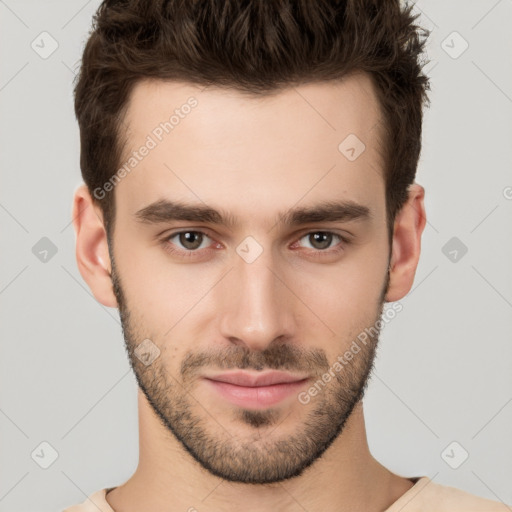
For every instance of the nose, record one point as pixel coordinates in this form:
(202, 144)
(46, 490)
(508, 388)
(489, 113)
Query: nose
(257, 305)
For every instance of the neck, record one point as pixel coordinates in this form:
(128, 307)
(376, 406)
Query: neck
(345, 478)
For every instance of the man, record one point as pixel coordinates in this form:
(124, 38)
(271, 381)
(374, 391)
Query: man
(249, 206)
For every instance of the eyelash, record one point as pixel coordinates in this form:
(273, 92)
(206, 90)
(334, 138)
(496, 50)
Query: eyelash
(317, 253)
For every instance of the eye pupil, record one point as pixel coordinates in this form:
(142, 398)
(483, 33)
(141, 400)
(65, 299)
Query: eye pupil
(325, 239)
(187, 238)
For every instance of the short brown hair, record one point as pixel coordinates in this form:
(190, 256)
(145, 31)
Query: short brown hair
(257, 47)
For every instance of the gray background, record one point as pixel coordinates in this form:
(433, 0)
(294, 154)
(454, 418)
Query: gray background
(443, 372)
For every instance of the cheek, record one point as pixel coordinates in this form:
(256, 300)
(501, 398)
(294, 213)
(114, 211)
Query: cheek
(347, 296)
(351, 287)
(159, 288)
(346, 301)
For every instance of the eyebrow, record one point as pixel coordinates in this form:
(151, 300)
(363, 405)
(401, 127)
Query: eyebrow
(165, 210)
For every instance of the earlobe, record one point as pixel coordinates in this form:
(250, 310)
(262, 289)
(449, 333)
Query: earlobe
(408, 228)
(92, 254)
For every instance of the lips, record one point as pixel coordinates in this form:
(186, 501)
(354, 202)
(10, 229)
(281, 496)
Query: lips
(253, 380)
(256, 391)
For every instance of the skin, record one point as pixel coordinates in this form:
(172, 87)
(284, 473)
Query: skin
(253, 158)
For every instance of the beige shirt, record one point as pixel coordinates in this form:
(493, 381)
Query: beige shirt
(424, 496)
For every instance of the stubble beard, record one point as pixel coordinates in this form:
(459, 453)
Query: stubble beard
(264, 457)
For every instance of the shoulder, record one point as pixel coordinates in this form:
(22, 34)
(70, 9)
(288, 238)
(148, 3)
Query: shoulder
(428, 496)
(96, 502)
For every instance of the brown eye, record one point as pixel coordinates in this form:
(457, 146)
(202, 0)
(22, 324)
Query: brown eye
(320, 240)
(188, 241)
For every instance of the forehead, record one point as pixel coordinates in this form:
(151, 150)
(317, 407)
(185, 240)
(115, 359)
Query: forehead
(317, 141)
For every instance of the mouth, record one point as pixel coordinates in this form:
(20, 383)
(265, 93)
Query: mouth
(256, 391)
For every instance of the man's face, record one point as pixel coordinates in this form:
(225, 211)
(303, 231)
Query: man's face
(259, 293)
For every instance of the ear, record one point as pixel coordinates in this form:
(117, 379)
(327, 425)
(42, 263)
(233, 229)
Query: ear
(92, 253)
(408, 227)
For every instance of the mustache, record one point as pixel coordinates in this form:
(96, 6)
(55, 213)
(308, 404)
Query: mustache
(275, 357)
